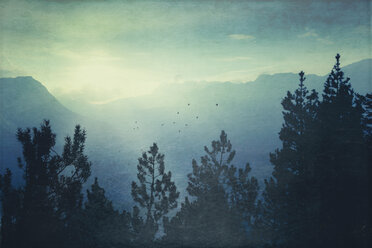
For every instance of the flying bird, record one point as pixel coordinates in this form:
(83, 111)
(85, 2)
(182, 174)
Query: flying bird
(188, 104)
(178, 113)
(217, 104)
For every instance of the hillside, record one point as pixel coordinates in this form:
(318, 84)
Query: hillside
(25, 102)
(181, 118)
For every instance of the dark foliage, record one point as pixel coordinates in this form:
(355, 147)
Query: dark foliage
(51, 196)
(318, 194)
(156, 194)
(223, 206)
(10, 202)
(289, 194)
(100, 224)
(341, 163)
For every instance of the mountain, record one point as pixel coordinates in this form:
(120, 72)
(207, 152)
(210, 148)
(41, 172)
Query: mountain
(25, 102)
(250, 113)
(181, 118)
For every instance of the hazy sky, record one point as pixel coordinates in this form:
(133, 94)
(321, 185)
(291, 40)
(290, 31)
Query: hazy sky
(102, 50)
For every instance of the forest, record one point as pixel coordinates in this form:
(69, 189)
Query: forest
(317, 196)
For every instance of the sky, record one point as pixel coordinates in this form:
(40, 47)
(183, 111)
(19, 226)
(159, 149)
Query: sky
(98, 51)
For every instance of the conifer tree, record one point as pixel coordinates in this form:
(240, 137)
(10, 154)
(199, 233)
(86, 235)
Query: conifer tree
(287, 206)
(156, 193)
(180, 229)
(224, 202)
(51, 194)
(102, 225)
(207, 183)
(367, 230)
(341, 162)
(317, 196)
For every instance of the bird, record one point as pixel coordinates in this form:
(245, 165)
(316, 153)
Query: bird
(197, 117)
(188, 104)
(178, 112)
(217, 104)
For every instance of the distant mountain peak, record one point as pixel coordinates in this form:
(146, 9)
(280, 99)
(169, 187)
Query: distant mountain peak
(267, 76)
(25, 77)
(26, 95)
(19, 78)
(21, 81)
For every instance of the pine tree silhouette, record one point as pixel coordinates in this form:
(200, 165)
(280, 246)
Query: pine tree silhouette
(156, 193)
(317, 196)
(341, 162)
(223, 200)
(366, 231)
(287, 195)
(51, 194)
(102, 225)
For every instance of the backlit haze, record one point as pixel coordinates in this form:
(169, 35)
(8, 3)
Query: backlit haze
(98, 51)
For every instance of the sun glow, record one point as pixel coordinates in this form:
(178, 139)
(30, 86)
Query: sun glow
(109, 79)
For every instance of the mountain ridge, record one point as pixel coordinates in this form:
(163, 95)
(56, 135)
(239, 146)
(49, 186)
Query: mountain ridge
(187, 87)
(181, 124)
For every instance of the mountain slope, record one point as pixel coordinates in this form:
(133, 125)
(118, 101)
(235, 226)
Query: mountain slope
(181, 118)
(25, 102)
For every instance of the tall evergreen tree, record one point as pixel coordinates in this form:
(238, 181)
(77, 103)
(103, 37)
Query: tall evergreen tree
(287, 210)
(316, 197)
(180, 230)
(102, 225)
(156, 193)
(341, 162)
(224, 202)
(51, 194)
(367, 230)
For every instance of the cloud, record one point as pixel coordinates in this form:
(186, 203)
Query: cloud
(241, 37)
(309, 33)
